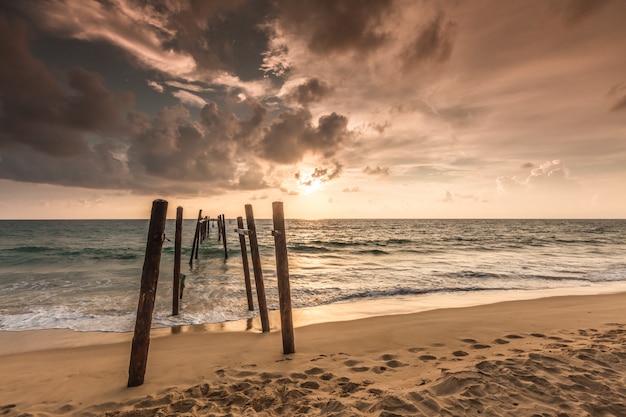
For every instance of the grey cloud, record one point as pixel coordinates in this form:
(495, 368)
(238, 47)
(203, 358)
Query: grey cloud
(292, 135)
(37, 111)
(379, 171)
(94, 107)
(337, 26)
(575, 11)
(433, 44)
(620, 104)
(96, 168)
(313, 90)
(252, 179)
(176, 148)
(320, 174)
(231, 36)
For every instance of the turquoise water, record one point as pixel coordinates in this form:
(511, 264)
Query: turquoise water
(84, 275)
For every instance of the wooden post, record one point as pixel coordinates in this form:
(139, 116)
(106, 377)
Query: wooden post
(282, 273)
(258, 271)
(194, 247)
(224, 236)
(208, 227)
(219, 228)
(177, 249)
(198, 235)
(145, 307)
(246, 268)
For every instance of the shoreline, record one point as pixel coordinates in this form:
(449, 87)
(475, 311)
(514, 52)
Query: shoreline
(22, 341)
(557, 354)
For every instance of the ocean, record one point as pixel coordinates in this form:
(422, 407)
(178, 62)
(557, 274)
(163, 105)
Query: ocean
(85, 275)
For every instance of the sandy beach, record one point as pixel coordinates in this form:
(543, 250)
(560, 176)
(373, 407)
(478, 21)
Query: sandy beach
(557, 356)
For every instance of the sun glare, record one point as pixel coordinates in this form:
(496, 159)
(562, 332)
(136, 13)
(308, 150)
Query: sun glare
(311, 186)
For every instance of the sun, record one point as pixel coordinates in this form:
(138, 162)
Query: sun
(311, 186)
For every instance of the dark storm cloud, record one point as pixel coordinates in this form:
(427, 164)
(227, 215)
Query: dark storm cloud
(229, 36)
(292, 135)
(94, 107)
(95, 168)
(433, 44)
(176, 148)
(336, 26)
(311, 91)
(575, 11)
(39, 112)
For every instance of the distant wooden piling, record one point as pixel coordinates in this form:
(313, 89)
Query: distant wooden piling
(145, 307)
(282, 273)
(244, 259)
(219, 228)
(195, 255)
(194, 246)
(177, 255)
(258, 271)
(224, 237)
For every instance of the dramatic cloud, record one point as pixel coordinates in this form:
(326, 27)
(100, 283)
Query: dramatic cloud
(189, 98)
(140, 29)
(575, 11)
(338, 26)
(37, 111)
(313, 90)
(292, 135)
(433, 44)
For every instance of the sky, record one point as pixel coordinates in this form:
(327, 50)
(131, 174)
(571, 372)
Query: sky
(338, 108)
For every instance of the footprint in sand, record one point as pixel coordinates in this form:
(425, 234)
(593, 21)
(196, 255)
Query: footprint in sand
(310, 385)
(416, 349)
(388, 357)
(379, 369)
(501, 341)
(352, 362)
(537, 335)
(327, 376)
(513, 336)
(314, 371)
(480, 346)
(459, 353)
(469, 341)
(427, 358)
(396, 364)
(298, 375)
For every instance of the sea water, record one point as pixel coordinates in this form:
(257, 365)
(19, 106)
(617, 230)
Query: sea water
(85, 275)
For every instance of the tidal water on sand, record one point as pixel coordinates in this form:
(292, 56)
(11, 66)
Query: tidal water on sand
(85, 275)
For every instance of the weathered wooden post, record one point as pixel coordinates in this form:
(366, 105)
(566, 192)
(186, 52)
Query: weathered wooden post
(244, 258)
(145, 307)
(224, 236)
(219, 228)
(198, 235)
(282, 273)
(177, 248)
(258, 271)
(194, 247)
